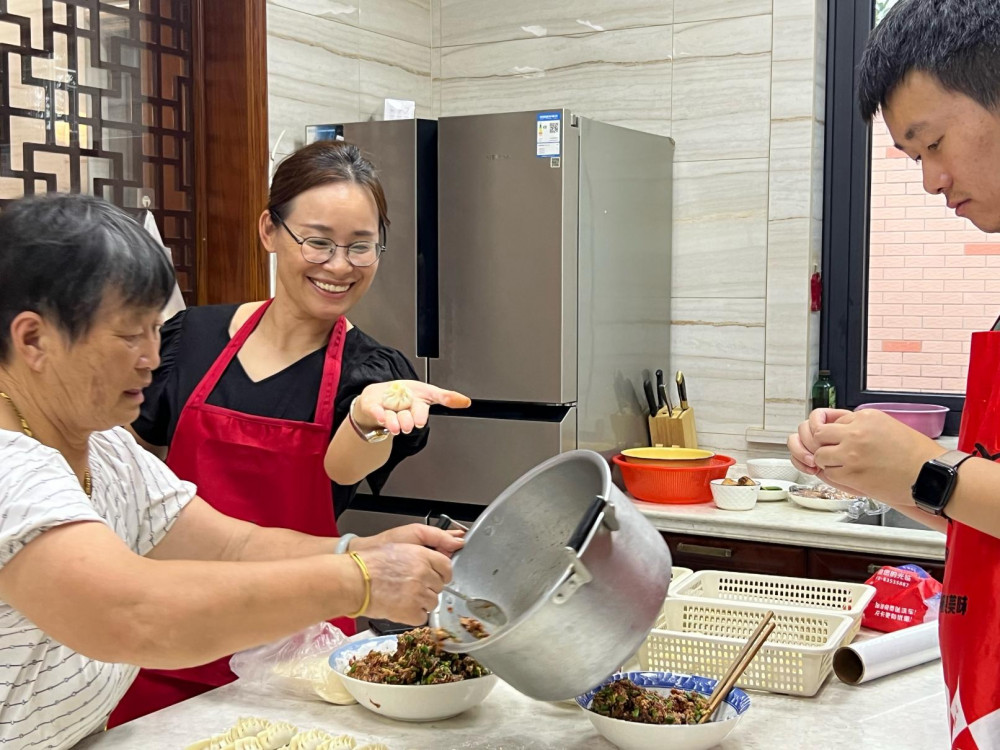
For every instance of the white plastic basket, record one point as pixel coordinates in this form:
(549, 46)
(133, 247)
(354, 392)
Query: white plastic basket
(677, 575)
(704, 636)
(848, 599)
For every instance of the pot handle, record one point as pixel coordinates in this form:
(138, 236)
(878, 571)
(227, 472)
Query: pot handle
(583, 528)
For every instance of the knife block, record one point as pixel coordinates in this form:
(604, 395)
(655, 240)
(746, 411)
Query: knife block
(676, 431)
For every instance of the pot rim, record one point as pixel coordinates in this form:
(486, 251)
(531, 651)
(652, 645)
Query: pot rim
(479, 644)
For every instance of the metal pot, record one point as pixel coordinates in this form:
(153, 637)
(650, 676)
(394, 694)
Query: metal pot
(577, 570)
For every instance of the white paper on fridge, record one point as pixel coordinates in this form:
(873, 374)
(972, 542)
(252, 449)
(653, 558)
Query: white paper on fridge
(399, 109)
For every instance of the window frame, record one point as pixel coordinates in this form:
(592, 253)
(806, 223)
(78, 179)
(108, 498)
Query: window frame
(846, 209)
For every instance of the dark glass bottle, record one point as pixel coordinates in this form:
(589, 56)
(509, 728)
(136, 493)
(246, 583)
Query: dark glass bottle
(824, 394)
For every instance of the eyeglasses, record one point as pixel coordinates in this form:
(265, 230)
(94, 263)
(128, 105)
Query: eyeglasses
(320, 249)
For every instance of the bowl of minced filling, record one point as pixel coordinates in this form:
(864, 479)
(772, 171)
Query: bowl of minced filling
(409, 677)
(637, 710)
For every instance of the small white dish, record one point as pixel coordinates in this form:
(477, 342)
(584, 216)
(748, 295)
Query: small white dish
(772, 468)
(778, 490)
(408, 702)
(734, 496)
(836, 504)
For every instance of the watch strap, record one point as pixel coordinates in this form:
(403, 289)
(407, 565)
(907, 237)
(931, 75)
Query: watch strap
(953, 459)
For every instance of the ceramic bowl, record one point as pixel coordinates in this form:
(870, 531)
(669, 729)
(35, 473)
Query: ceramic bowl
(772, 468)
(778, 490)
(408, 702)
(629, 735)
(734, 496)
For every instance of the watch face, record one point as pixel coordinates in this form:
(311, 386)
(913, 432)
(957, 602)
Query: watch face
(934, 484)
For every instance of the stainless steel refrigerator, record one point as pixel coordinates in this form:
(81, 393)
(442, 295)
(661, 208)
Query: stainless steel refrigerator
(528, 266)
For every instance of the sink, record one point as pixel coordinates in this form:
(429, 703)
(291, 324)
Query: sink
(892, 519)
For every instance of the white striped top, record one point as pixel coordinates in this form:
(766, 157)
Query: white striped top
(50, 695)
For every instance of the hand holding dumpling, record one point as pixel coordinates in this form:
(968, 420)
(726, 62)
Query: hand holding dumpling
(402, 406)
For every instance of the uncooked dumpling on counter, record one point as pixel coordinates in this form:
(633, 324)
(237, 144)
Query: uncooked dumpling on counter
(269, 734)
(397, 397)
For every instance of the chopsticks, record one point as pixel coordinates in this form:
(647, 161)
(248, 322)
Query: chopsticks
(739, 665)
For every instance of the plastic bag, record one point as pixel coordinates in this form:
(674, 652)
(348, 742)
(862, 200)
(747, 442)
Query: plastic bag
(904, 596)
(866, 506)
(296, 666)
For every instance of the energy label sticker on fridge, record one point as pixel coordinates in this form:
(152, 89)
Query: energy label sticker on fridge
(549, 134)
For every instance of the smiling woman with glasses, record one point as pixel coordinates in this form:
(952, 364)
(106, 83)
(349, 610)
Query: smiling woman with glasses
(277, 410)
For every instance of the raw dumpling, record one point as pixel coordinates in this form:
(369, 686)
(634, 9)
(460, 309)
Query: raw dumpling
(310, 740)
(277, 735)
(397, 397)
(373, 746)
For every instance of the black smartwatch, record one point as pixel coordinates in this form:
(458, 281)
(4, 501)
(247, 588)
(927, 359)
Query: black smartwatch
(936, 482)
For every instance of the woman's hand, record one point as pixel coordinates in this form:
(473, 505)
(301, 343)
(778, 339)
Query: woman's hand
(370, 410)
(445, 542)
(406, 580)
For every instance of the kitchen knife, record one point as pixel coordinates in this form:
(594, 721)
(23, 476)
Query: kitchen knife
(660, 390)
(647, 387)
(665, 406)
(682, 392)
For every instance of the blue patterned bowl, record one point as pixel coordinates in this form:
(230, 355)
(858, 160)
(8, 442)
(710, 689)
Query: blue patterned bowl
(629, 735)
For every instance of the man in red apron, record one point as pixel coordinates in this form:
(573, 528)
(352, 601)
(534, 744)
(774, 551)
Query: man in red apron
(264, 470)
(933, 68)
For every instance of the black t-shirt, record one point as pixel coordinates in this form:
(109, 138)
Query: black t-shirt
(193, 339)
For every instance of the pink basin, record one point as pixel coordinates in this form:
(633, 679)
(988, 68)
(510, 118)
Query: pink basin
(925, 418)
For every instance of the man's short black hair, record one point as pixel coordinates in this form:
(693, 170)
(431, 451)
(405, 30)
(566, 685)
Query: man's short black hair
(956, 41)
(60, 255)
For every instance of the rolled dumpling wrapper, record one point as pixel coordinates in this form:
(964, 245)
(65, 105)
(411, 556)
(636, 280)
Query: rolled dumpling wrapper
(397, 397)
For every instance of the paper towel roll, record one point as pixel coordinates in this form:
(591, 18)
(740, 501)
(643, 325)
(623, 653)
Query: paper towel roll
(886, 654)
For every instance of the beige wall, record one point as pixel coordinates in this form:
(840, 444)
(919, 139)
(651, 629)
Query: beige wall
(739, 84)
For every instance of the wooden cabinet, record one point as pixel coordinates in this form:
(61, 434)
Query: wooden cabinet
(710, 553)
(858, 567)
(713, 553)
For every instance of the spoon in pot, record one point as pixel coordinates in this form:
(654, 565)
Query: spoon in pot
(482, 609)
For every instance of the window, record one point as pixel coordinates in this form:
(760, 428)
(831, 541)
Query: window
(906, 282)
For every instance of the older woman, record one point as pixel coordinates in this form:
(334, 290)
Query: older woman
(108, 561)
(276, 410)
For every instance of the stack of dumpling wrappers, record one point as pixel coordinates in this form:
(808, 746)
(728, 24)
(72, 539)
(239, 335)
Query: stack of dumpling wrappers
(260, 734)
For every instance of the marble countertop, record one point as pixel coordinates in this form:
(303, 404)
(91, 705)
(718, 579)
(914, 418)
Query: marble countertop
(905, 710)
(785, 523)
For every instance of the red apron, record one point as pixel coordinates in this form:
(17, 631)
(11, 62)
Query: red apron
(970, 602)
(260, 469)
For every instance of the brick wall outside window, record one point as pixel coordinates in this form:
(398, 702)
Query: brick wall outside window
(933, 280)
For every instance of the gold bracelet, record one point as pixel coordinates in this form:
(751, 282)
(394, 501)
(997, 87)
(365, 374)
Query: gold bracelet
(368, 584)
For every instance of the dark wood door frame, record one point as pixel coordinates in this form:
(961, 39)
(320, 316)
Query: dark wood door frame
(231, 148)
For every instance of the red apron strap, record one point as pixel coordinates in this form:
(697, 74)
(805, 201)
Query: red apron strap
(331, 374)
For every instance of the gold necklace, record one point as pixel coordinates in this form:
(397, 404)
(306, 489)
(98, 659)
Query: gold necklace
(87, 483)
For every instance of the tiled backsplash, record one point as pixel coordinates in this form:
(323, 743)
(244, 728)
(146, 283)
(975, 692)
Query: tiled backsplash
(739, 85)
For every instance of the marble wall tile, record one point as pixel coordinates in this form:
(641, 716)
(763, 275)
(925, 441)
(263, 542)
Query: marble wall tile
(620, 77)
(435, 82)
(435, 23)
(793, 93)
(722, 88)
(791, 171)
(393, 68)
(719, 344)
(475, 22)
(409, 20)
(703, 10)
(313, 73)
(795, 24)
(342, 11)
(720, 228)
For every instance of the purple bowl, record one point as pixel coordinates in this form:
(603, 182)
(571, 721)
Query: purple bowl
(925, 418)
